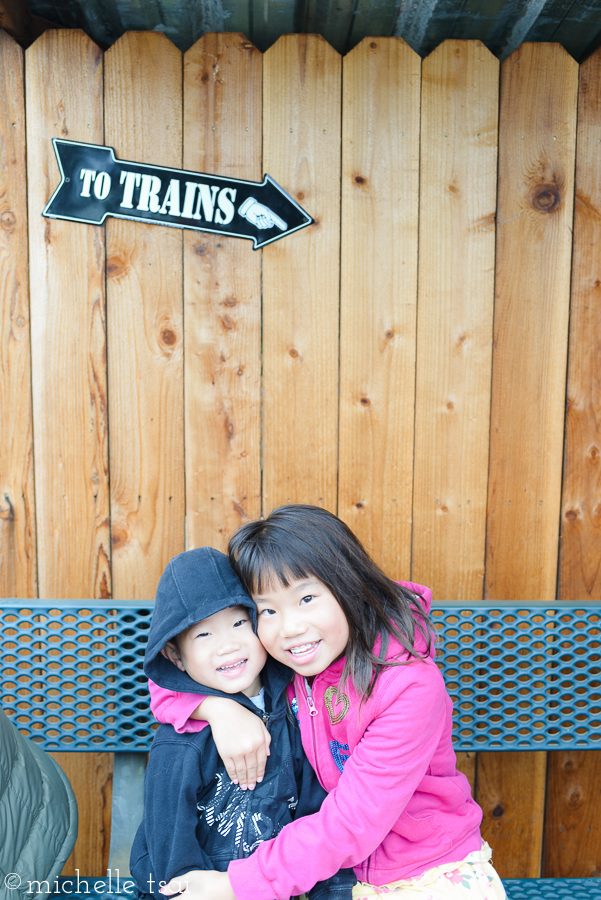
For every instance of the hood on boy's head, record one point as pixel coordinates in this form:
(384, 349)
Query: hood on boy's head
(195, 585)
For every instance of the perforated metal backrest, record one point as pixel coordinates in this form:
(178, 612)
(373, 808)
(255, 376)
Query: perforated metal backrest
(72, 675)
(521, 676)
(553, 888)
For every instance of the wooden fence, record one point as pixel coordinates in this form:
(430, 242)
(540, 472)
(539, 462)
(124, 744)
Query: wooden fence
(405, 361)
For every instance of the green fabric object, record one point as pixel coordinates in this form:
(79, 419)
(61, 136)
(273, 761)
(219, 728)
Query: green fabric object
(38, 817)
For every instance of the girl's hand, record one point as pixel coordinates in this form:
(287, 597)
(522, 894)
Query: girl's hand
(200, 885)
(241, 739)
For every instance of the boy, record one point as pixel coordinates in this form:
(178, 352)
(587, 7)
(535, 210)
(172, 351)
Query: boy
(203, 634)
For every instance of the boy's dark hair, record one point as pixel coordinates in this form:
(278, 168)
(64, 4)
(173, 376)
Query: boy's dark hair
(298, 541)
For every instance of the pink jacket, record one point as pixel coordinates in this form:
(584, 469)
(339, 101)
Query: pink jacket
(396, 804)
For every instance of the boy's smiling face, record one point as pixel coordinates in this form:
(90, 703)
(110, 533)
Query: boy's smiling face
(221, 652)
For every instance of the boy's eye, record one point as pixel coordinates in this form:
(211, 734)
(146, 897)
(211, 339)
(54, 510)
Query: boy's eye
(267, 612)
(240, 622)
(203, 634)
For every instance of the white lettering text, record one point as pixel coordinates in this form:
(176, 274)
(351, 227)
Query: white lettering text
(225, 213)
(132, 180)
(171, 199)
(87, 176)
(102, 185)
(149, 193)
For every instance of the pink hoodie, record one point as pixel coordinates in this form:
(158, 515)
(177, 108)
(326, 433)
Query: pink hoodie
(396, 804)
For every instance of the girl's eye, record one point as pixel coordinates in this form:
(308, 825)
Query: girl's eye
(307, 599)
(203, 634)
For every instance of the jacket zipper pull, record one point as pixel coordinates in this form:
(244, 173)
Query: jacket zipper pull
(311, 705)
(265, 718)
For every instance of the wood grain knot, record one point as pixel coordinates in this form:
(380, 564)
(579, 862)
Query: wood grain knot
(373, 45)
(365, 401)
(119, 537)
(450, 404)
(571, 515)
(389, 334)
(293, 353)
(230, 301)
(168, 337)
(201, 249)
(359, 179)
(229, 428)
(498, 811)
(239, 509)
(300, 196)
(204, 77)
(115, 266)
(546, 197)
(359, 505)
(593, 455)
(228, 323)
(8, 220)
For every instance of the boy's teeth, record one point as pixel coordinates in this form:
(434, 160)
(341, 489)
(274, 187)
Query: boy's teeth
(302, 649)
(234, 666)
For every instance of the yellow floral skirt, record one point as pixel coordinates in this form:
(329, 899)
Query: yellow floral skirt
(472, 879)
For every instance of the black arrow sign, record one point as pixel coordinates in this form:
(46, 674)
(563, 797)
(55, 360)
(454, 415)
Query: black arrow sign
(95, 184)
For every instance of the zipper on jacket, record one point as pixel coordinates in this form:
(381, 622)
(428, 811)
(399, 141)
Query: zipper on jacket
(310, 704)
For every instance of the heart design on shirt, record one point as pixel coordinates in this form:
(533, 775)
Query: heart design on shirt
(333, 697)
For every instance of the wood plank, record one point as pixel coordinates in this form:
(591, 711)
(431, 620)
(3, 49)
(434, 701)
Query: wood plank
(511, 792)
(301, 150)
(573, 816)
(536, 171)
(222, 298)
(143, 104)
(64, 99)
(572, 821)
(64, 77)
(580, 571)
(539, 84)
(380, 166)
(18, 571)
(460, 87)
(92, 785)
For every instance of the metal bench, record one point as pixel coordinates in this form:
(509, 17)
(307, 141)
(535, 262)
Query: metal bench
(522, 677)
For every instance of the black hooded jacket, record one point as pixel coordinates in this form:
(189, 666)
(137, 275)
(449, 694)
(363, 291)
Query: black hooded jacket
(194, 816)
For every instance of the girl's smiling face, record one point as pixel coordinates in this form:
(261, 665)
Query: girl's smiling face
(302, 625)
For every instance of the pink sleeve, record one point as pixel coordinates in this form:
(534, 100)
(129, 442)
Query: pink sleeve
(173, 708)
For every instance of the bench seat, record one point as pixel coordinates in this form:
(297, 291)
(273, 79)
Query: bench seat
(522, 676)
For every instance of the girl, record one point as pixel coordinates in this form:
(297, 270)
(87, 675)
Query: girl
(375, 720)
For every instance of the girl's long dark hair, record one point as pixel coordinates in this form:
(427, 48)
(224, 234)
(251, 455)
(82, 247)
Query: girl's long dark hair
(299, 541)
